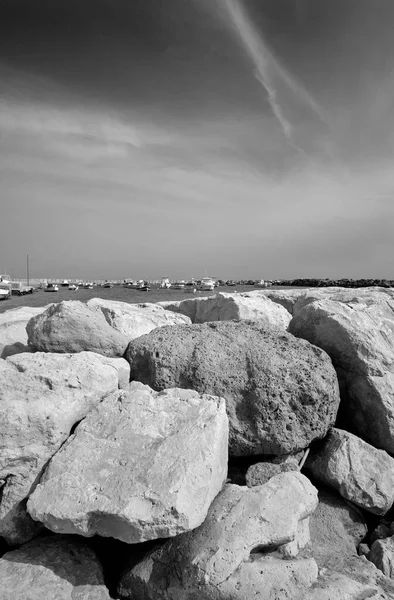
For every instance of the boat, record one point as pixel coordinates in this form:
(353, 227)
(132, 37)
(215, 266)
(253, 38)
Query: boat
(108, 284)
(64, 283)
(262, 284)
(88, 286)
(5, 278)
(178, 285)
(165, 283)
(72, 287)
(51, 287)
(231, 282)
(144, 287)
(207, 284)
(5, 290)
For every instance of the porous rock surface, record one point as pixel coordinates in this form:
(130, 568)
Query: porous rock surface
(55, 568)
(142, 465)
(262, 472)
(358, 335)
(281, 393)
(133, 320)
(13, 335)
(70, 327)
(357, 470)
(235, 553)
(42, 396)
(225, 307)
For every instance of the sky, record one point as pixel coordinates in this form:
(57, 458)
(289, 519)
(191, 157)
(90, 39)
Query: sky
(184, 138)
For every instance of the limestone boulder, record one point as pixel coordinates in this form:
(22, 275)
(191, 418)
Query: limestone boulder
(281, 393)
(358, 335)
(357, 470)
(225, 307)
(142, 465)
(133, 320)
(262, 472)
(235, 553)
(382, 555)
(52, 567)
(13, 335)
(42, 397)
(70, 327)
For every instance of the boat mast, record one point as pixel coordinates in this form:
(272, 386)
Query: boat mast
(27, 265)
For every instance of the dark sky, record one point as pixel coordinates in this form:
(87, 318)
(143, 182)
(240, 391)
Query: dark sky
(237, 138)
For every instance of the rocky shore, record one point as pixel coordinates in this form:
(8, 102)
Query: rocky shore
(230, 447)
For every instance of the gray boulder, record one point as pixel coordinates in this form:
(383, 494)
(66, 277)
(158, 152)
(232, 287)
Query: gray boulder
(382, 555)
(357, 470)
(13, 335)
(42, 396)
(70, 327)
(358, 335)
(235, 554)
(281, 393)
(55, 568)
(142, 465)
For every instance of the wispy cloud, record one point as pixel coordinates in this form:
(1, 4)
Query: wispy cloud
(268, 69)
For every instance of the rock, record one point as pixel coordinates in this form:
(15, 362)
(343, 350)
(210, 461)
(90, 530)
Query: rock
(358, 335)
(382, 555)
(235, 552)
(54, 568)
(281, 393)
(142, 465)
(380, 532)
(358, 471)
(133, 320)
(121, 366)
(42, 396)
(13, 336)
(262, 472)
(225, 307)
(336, 529)
(70, 327)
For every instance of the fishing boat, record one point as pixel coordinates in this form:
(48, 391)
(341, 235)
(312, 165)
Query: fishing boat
(51, 287)
(108, 284)
(88, 286)
(72, 287)
(144, 287)
(5, 290)
(64, 283)
(207, 284)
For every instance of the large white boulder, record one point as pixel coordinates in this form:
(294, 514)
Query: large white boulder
(254, 306)
(133, 320)
(42, 396)
(52, 568)
(13, 335)
(235, 553)
(142, 465)
(358, 335)
(357, 470)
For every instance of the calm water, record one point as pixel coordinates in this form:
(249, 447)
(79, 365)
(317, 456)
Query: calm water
(41, 298)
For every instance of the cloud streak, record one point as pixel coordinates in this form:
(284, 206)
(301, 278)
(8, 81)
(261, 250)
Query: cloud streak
(268, 69)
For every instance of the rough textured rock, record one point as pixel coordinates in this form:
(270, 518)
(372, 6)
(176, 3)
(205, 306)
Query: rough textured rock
(281, 393)
(71, 326)
(262, 472)
(143, 465)
(225, 307)
(357, 470)
(121, 366)
(42, 396)
(336, 528)
(358, 335)
(235, 553)
(13, 335)
(382, 555)
(55, 568)
(133, 320)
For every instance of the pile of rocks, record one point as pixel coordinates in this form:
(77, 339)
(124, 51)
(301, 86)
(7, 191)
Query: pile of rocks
(155, 452)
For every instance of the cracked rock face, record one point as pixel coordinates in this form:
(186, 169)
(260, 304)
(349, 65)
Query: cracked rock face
(358, 335)
(52, 567)
(281, 393)
(42, 396)
(237, 550)
(143, 465)
(357, 470)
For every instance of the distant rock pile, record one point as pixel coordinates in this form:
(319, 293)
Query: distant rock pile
(223, 448)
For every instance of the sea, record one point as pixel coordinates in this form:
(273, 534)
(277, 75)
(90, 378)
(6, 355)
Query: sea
(118, 293)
